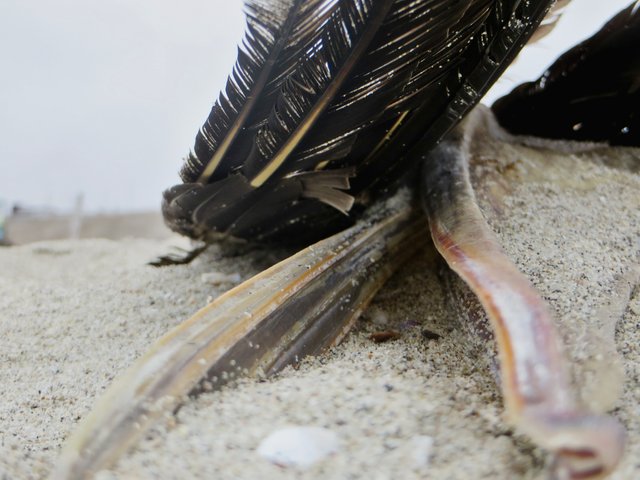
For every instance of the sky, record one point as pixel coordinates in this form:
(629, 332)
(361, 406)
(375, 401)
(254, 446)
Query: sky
(104, 98)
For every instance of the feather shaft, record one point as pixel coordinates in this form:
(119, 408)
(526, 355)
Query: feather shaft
(382, 8)
(252, 97)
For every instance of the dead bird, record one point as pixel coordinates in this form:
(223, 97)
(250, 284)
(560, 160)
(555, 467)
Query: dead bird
(331, 105)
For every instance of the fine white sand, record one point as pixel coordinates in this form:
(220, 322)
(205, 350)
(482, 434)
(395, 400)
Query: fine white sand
(74, 314)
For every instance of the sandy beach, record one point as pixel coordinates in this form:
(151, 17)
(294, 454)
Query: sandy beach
(75, 314)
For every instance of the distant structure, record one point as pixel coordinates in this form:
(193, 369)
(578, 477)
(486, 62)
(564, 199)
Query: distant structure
(3, 218)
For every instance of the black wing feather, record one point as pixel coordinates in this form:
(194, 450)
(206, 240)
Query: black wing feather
(356, 85)
(591, 93)
(278, 32)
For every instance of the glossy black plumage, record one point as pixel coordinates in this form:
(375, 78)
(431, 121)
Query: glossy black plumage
(330, 102)
(592, 92)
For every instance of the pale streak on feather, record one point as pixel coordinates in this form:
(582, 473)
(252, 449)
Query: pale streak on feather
(327, 96)
(257, 87)
(387, 137)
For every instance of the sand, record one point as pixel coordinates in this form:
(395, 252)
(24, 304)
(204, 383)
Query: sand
(74, 314)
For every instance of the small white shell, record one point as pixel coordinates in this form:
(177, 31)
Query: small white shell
(299, 447)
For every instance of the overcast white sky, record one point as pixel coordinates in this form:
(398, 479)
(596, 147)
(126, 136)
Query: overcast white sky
(105, 97)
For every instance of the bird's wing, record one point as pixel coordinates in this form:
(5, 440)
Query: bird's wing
(326, 102)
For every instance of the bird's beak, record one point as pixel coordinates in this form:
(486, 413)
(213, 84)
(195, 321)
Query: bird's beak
(301, 306)
(538, 396)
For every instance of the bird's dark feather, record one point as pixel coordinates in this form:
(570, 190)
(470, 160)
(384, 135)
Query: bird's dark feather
(592, 92)
(327, 103)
